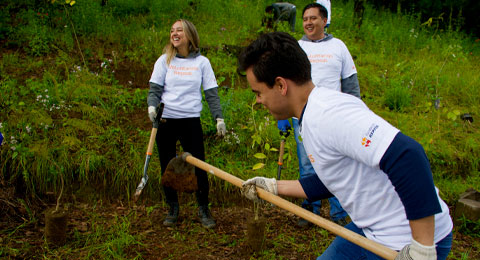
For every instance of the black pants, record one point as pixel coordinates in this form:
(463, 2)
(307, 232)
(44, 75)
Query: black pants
(189, 132)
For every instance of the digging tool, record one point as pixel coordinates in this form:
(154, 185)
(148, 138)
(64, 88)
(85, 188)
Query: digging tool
(280, 158)
(351, 236)
(151, 142)
(180, 176)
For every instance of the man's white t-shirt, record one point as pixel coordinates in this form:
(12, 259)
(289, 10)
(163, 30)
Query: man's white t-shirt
(331, 62)
(182, 81)
(345, 142)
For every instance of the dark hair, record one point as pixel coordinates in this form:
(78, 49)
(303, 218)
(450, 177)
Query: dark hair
(274, 55)
(321, 9)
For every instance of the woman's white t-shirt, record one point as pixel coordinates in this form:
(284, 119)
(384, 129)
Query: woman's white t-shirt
(183, 80)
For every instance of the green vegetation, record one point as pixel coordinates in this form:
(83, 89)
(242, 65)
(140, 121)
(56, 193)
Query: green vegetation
(74, 81)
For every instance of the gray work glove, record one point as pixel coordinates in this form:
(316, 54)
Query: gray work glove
(249, 187)
(221, 128)
(417, 251)
(152, 113)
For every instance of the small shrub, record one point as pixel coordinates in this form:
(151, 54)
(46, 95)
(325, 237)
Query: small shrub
(34, 36)
(398, 98)
(469, 227)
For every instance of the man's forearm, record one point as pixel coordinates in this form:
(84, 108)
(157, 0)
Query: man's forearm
(291, 188)
(423, 230)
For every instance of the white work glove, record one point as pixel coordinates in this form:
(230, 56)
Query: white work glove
(417, 251)
(152, 113)
(221, 128)
(249, 187)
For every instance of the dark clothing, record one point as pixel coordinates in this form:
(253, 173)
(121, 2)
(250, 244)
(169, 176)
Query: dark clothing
(189, 132)
(408, 168)
(281, 12)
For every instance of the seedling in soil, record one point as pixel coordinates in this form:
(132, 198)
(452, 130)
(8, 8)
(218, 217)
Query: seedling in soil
(256, 230)
(56, 220)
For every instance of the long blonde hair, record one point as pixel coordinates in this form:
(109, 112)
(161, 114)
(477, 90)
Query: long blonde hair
(192, 37)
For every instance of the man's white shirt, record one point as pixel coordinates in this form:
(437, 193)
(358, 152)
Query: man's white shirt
(331, 62)
(345, 142)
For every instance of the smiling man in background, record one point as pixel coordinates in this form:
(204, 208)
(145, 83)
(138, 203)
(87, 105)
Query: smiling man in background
(333, 68)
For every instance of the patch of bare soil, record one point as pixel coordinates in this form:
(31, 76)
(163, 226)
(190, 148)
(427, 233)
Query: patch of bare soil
(187, 240)
(132, 75)
(160, 242)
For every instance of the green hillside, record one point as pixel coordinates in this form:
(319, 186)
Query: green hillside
(74, 81)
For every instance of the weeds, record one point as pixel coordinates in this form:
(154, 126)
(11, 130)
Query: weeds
(469, 227)
(62, 99)
(74, 107)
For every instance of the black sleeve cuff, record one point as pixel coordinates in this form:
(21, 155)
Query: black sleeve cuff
(314, 188)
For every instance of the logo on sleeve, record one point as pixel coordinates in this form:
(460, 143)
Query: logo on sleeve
(312, 160)
(367, 139)
(366, 142)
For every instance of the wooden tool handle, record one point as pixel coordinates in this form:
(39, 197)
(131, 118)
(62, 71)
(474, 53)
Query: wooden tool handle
(156, 122)
(282, 149)
(351, 236)
(152, 141)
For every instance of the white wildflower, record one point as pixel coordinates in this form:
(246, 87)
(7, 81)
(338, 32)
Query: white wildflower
(13, 148)
(235, 136)
(28, 128)
(46, 90)
(1, 125)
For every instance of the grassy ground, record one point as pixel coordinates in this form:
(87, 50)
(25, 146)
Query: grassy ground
(73, 82)
(107, 229)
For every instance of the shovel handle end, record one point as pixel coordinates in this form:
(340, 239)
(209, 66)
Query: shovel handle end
(185, 155)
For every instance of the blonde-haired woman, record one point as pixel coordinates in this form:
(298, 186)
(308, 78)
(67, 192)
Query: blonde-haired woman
(177, 79)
